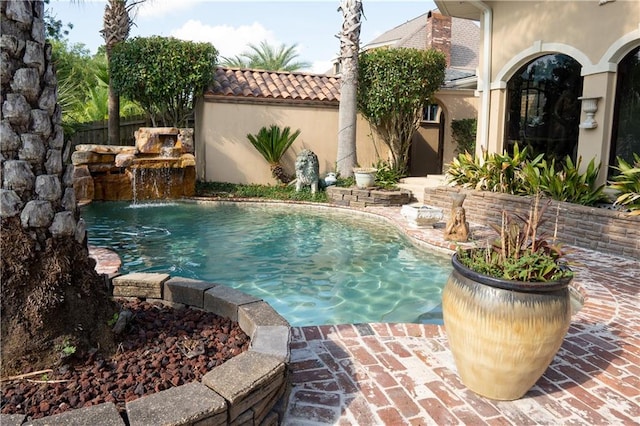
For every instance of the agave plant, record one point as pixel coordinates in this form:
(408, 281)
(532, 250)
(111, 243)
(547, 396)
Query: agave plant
(627, 184)
(272, 143)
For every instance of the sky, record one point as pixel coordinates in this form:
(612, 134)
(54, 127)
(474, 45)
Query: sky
(232, 25)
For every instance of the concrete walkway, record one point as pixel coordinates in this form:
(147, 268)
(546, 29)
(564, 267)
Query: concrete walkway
(397, 374)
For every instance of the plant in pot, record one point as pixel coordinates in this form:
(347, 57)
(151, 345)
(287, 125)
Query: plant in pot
(506, 307)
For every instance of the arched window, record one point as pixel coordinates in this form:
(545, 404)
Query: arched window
(625, 138)
(543, 107)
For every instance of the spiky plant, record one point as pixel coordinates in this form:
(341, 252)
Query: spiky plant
(272, 143)
(627, 184)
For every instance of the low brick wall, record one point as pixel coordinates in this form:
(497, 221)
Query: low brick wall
(600, 229)
(354, 197)
(249, 389)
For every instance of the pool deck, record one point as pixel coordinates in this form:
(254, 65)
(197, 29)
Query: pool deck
(404, 374)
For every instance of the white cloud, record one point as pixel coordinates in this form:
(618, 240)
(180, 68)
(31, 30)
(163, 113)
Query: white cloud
(229, 40)
(321, 67)
(161, 8)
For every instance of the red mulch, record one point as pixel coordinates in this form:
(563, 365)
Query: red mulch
(153, 355)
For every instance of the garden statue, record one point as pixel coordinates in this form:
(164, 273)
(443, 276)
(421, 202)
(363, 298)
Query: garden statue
(457, 228)
(307, 170)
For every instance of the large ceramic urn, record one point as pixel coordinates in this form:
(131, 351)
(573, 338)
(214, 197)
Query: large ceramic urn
(503, 334)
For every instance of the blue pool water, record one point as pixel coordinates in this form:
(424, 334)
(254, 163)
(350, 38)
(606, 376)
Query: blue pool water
(313, 265)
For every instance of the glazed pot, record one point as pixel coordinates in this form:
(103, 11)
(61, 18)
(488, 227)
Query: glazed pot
(365, 177)
(503, 334)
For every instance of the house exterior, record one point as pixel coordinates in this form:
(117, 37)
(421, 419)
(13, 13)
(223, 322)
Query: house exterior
(432, 146)
(242, 101)
(562, 77)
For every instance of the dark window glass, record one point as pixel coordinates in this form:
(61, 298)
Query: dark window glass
(543, 110)
(626, 118)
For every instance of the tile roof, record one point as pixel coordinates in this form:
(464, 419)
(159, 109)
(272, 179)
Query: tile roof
(274, 85)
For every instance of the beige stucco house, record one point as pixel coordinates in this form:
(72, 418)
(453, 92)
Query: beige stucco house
(432, 146)
(560, 76)
(242, 101)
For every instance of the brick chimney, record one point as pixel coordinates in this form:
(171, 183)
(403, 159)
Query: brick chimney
(439, 33)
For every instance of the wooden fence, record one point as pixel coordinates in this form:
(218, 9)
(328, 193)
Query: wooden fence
(97, 133)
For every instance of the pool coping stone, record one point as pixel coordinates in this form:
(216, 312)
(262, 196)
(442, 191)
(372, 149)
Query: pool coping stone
(250, 388)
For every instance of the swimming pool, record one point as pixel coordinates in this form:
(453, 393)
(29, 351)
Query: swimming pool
(314, 265)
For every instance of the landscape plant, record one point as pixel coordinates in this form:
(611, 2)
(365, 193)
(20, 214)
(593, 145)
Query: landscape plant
(517, 174)
(522, 252)
(393, 87)
(164, 75)
(627, 184)
(272, 142)
(463, 133)
(566, 183)
(269, 192)
(267, 57)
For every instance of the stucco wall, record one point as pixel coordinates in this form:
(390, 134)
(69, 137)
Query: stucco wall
(597, 36)
(224, 154)
(456, 104)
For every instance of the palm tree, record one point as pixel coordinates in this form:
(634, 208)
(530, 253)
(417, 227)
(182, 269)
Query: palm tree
(349, 46)
(272, 143)
(267, 57)
(50, 294)
(117, 23)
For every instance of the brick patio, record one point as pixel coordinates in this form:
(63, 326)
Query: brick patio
(394, 374)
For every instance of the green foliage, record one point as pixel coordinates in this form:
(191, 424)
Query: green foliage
(267, 57)
(82, 86)
(495, 172)
(113, 319)
(387, 177)
(627, 184)
(463, 132)
(568, 184)
(519, 175)
(393, 87)
(279, 192)
(272, 143)
(521, 252)
(164, 75)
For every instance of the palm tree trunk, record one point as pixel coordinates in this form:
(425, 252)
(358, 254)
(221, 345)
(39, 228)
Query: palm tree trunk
(347, 113)
(50, 292)
(113, 106)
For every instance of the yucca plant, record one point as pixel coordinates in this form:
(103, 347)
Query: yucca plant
(272, 143)
(627, 184)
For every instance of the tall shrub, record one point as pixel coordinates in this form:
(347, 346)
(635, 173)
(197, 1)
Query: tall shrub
(394, 85)
(463, 132)
(164, 75)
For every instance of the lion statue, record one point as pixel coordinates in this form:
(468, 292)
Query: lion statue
(307, 170)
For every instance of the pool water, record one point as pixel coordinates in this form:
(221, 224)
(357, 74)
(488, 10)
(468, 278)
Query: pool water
(313, 265)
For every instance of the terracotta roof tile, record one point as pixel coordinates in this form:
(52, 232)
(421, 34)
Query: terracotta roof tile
(274, 85)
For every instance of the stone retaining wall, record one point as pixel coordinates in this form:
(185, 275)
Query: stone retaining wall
(594, 228)
(248, 389)
(354, 197)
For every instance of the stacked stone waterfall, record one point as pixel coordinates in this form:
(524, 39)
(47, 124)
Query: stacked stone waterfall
(34, 185)
(161, 165)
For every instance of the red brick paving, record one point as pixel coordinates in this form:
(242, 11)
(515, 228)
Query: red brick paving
(404, 374)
